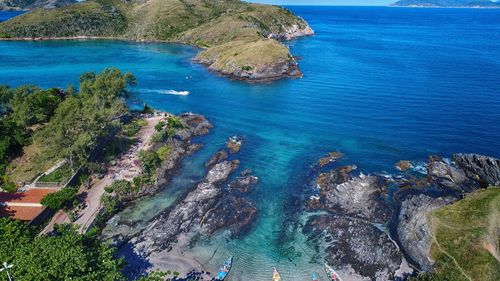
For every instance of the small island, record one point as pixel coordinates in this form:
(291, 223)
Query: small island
(239, 40)
(447, 4)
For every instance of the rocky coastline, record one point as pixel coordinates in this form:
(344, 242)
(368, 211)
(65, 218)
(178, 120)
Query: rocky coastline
(217, 203)
(373, 227)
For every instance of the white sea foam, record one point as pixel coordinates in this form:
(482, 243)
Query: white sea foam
(166, 92)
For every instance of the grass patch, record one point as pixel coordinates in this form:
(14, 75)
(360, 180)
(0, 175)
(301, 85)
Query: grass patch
(466, 237)
(61, 174)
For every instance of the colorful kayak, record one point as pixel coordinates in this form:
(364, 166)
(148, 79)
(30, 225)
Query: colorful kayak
(276, 275)
(315, 277)
(224, 270)
(332, 275)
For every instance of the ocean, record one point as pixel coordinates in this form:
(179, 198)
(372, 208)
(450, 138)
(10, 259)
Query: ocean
(380, 85)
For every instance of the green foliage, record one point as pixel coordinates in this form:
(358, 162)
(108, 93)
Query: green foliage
(150, 161)
(64, 256)
(111, 205)
(131, 129)
(159, 126)
(31, 105)
(164, 151)
(147, 109)
(121, 188)
(64, 198)
(61, 175)
(83, 119)
(174, 122)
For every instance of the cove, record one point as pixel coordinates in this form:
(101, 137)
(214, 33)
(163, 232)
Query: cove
(380, 85)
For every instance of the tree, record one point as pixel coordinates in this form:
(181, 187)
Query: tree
(83, 119)
(63, 198)
(66, 255)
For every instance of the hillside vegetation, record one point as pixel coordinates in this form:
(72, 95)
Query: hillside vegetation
(467, 238)
(203, 23)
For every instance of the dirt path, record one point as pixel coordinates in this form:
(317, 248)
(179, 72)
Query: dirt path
(126, 168)
(432, 225)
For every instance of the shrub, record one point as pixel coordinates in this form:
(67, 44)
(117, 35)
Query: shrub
(64, 198)
(149, 161)
(164, 151)
(174, 122)
(132, 128)
(159, 126)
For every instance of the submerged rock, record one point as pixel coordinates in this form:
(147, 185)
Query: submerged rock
(413, 229)
(221, 155)
(482, 168)
(331, 157)
(234, 144)
(404, 165)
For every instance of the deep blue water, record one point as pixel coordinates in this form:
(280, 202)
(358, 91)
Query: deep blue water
(380, 85)
(7, 15)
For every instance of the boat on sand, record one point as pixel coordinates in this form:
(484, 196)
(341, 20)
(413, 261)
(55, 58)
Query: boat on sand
(224, 270)
(276, 275)
(332, 275)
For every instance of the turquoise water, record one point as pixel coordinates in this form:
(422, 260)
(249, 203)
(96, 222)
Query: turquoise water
(380, 85)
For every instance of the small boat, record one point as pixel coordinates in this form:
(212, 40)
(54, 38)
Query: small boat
(332, 275)
(276, 275)
(315, 277)
(224, 270)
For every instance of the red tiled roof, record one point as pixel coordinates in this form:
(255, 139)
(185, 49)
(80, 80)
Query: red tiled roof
(23, 205)
(30, 196)
(21, 212)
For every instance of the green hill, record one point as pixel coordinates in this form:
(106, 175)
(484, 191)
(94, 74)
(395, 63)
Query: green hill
(203, 23)
(466, 238)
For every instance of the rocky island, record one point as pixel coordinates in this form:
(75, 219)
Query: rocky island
(239, 40)
(447, 3)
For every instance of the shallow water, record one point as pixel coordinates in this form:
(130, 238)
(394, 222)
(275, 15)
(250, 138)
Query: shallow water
(380, 85)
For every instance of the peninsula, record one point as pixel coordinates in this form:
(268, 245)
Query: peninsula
(240, 40)
(28, 5)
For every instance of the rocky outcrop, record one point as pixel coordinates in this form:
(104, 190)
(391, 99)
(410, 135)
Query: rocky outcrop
(331, 157)
(358, 250)
(293, 31)
(187, 213)
(218, 157)
(413, 229)
(209, 207)
(363, 197)
(482, 168)
(234, 144)
(444, 174)
(404, 165)
(356, 208)
(181, 145)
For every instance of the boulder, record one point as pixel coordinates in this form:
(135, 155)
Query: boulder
(234, 144)
(445, 175)
(404, 165)
(357, 248)
(413, 228)
(221, 155)
(482, 168)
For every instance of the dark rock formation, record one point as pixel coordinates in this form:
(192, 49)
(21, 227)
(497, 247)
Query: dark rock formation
(356, 207)
(331, 157)
(188, 213)
(220, 156)
(482, 168)
(413, 229)
(357, 248)
(445, 175)
(209, 207)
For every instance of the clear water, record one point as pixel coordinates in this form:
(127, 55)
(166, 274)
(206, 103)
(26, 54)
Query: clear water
(380, 85)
